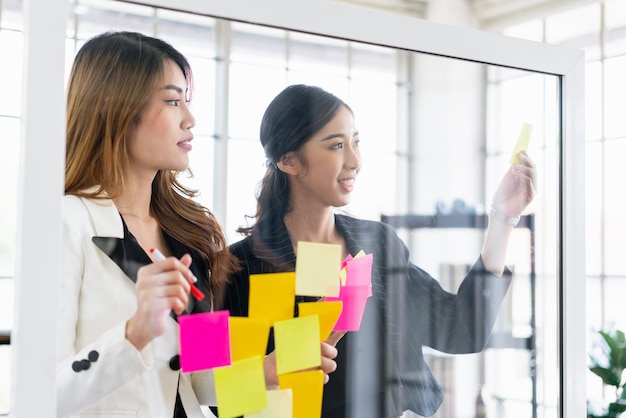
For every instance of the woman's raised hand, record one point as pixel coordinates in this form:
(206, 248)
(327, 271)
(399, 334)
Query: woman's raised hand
(517, 187)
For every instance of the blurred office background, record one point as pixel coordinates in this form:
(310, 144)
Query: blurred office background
(423, 137)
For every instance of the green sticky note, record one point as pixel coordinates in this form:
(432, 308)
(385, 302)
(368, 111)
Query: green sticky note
(522, 142)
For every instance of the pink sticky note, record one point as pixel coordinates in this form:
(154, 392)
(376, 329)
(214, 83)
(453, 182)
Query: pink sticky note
(359, 272)
(354, 299)
(345, 260)
(204, 341)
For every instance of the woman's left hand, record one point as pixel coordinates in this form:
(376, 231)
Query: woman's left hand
(517, 187)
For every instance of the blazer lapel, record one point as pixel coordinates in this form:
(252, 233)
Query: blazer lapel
(113, 238)
(129, 257)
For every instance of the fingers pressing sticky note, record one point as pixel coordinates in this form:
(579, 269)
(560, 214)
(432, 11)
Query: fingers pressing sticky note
(522, 143)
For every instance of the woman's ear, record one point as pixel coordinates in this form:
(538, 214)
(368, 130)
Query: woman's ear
(288, 163)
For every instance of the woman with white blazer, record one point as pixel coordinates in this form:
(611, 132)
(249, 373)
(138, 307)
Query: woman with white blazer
(128, 136)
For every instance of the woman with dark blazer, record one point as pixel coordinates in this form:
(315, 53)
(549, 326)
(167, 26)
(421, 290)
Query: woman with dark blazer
(312, 146)
(128, 136)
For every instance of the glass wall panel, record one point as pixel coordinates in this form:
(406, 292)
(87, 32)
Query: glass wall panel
(9, 170)
(614, 208)
(193, 35)
(11, 71)
(614, 93)
(456, 150)
(5, 379)
(258, 45)
(594, 204)
(615, 23)
(11, 15)
(93, 17)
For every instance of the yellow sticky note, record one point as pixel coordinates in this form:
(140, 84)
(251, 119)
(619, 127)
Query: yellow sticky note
(328, 313)
(522, 143)
(361, 253)
(297, 344)
(240, 387)
(307, 389)
(317, 269)
(342, 276)
(272, 296)
(248, 337)
(279, 405)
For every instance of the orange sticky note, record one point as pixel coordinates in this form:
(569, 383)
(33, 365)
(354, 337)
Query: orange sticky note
(297, 344)
(317, 269)
(248, 337)
(279, 405)
(522, 143)
(307, 390)
(272, 296)
(328, 313)
(240, 388)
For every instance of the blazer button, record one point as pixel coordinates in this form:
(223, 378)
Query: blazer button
(175, 362)
(93, 356)
(77, 366)
(85, 364)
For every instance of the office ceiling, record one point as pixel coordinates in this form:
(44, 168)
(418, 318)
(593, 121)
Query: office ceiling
(488, 12)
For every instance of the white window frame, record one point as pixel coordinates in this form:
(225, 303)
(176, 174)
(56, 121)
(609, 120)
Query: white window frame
(43, 143)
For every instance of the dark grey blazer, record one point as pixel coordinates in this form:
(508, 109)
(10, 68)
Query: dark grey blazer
(409, 309)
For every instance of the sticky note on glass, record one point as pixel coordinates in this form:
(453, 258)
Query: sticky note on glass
(359, 271)
(307, 389)
(328, 313)
(279, 405)
(317, 269)
(522, 142)
(240, 387)
(354, 300)
(297, 343)
(272, 296)
(204, 341)
(248, 337)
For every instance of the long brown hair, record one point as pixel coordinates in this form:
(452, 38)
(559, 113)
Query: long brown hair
(111, 82)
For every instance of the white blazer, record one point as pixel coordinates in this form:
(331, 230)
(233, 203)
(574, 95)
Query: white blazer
(99, 372)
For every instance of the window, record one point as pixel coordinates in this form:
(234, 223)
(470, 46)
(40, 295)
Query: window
(599, 28)
(251, 52)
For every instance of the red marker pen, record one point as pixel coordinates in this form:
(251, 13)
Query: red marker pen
(194, 290)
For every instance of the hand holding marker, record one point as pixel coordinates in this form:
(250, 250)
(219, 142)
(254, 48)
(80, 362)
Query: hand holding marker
(194, 290)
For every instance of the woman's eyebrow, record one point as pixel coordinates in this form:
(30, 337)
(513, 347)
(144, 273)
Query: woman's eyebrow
(172, 87)
(337, 135)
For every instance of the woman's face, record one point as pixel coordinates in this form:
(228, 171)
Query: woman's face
(331, 162)
(162, 137)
